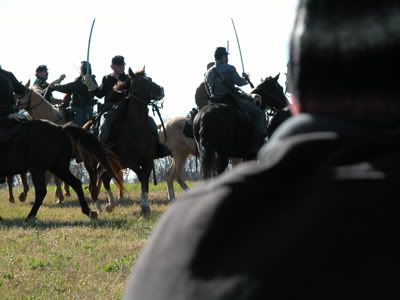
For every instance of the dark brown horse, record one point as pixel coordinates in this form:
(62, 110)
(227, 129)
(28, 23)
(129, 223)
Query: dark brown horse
(221, 131)
(40, 146)
(132, 139)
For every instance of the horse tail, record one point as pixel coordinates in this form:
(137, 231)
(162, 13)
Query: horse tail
(207, 155)
(90, 149)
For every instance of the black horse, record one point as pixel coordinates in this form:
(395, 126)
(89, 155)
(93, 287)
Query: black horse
(274, 103)
(221, 131)
(40, 146)
(132, 139)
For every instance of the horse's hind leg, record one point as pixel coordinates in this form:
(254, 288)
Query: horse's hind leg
(179, 164)
(39, 182)
(10, 181)
(66, 190)
(59, 196)
(170, 180)
(24, 193)
(106, 182)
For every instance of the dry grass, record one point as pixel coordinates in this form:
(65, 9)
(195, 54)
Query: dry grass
(64, 255)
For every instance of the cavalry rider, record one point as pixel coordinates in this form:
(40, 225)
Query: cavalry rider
(202, 96)
(110, 111)
(222, 80)
(8, 109)
(42, 86)
(82, 100)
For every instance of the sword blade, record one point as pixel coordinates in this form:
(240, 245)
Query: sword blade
(88, 49)
(237, 40)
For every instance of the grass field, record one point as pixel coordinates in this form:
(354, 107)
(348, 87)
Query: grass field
(64, 255)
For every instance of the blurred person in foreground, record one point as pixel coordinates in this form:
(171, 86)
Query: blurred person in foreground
(317, 216)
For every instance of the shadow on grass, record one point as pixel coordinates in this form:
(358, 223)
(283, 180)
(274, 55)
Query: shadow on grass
(123, 202)
(38, 224)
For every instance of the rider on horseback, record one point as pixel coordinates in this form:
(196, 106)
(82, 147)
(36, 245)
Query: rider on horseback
(110, 111)
(221, 80)
(42, 86)
(8, 109)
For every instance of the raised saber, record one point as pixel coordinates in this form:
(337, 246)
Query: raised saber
(88, 48)
(240, 52)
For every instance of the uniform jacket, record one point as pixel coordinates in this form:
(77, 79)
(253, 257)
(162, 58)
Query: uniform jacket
(80, 96)
(106, 88)
(315, 218)
(216, 87)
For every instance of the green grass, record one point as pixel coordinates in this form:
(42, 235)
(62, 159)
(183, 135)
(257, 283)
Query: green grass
(65, 255)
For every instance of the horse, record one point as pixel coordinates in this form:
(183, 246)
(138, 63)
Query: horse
(221, 132)
(132, 140)
(29, 149)
(39, 108)
(181, 147)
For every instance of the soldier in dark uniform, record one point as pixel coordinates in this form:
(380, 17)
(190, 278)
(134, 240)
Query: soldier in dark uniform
(202, 95)
(110, 112)
(82, 101)
(222, 80)
(42, 86)
(8, 86)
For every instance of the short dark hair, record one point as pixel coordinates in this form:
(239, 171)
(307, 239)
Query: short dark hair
(41, 68)
(346, 54)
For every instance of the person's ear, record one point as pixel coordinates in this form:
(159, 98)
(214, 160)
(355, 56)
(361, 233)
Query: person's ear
(295, 106)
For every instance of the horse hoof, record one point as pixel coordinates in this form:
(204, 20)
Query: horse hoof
(93, 215)
(109, 208)
(30, 220)
(68, 194)
(11, 200)
(145, 211)
(59, 201)
(22, 197)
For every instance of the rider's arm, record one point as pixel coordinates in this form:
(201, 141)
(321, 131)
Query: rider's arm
(236, 78)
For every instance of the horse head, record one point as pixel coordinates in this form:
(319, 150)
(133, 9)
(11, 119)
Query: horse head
(143, 88)
(272, 94)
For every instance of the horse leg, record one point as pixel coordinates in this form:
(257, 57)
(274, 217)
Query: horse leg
(121, 191)
(39, 182)
(144, 175)
(93, 188)
(111, 201)
(170, 180)
(65, 175)
(179, 164)
(66, 190)
(10, 181)
(59, 196)
(24, 193)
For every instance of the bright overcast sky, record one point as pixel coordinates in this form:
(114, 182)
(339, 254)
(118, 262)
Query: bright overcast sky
(174, 39)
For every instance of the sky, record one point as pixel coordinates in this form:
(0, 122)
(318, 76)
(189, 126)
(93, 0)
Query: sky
(173, 39)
